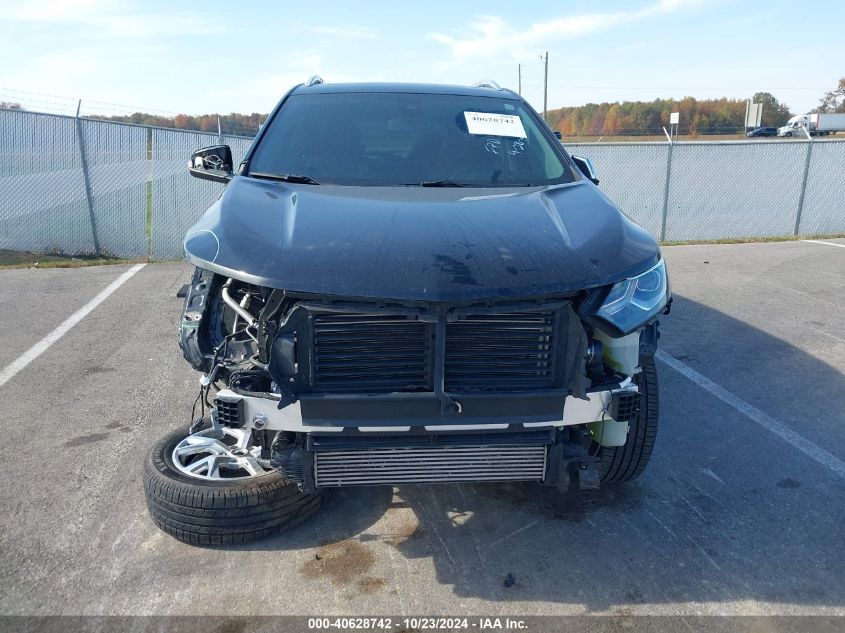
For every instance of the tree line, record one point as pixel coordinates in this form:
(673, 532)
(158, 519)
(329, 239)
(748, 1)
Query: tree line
(233, 123)
(706, 116)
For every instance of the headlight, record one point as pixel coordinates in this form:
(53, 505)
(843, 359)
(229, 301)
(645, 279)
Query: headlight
(632, 302)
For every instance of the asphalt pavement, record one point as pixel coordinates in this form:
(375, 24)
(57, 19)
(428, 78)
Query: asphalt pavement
(740, 511)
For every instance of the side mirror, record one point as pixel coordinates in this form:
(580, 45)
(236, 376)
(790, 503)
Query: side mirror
(212, 163)
(558, 135)
(586, 168)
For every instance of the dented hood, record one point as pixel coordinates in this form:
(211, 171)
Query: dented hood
(414, 243)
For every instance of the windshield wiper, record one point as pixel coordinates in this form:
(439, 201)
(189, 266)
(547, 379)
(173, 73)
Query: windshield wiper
(304, 180)
(438, 183)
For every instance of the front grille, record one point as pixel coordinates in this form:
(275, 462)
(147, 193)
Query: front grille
(430, 465)
(501, 352)
(366, 353)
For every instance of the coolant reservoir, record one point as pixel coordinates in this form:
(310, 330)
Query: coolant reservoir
(621, 354)
(609, 432)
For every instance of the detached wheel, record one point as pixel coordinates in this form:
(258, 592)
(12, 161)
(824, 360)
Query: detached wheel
(207, 490)
(624, 463)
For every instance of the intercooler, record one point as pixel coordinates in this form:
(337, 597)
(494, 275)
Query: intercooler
(430, 465)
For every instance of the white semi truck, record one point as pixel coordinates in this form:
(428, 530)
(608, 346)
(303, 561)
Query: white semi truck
(821, 124)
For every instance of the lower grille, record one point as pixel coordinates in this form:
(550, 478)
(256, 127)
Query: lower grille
(430, 465)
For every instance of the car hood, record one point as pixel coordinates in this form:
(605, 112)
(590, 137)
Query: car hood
(415, 243)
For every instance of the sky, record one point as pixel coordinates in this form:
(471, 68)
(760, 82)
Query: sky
(211, 56)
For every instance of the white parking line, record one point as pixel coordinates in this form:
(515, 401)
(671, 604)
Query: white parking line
(823, 242)
(753, 413)
(41, 346)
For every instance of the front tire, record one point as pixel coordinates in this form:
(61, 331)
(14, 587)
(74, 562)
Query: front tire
(203, 511)
(624, 463)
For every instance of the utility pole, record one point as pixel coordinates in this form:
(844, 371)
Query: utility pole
(546, 86)
(519, 70)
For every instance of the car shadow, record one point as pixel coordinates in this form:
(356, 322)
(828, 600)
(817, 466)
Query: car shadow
(726, 512)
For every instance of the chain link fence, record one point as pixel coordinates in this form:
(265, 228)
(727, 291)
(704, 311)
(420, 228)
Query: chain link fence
(81, 186)
(725, 189)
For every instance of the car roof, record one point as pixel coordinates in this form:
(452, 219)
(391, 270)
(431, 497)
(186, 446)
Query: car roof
(407, 88)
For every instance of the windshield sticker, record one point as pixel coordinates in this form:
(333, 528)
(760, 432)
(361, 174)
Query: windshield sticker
(491, 124)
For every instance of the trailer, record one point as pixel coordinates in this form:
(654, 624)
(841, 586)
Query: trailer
(815, 123)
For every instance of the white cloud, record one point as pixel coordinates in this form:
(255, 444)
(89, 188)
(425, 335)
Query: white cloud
(491, 36)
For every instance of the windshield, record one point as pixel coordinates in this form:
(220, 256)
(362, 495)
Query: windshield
(379, 139)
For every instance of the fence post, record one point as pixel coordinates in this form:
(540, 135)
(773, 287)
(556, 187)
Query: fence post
(148, 187)
(666, 188)
(86, 180)
(803, 185)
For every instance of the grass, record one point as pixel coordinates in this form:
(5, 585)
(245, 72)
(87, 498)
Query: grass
(20, 259)
(754, 240)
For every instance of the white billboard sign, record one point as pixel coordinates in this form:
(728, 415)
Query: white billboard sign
(755, 115)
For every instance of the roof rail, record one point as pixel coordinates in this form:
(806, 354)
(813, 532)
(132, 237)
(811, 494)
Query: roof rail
(313, 81)
(488, 83)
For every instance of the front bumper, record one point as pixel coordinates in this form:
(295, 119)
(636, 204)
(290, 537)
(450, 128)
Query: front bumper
(403, 412)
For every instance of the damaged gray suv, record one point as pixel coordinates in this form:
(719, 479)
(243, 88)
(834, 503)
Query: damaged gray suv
(405, 284)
